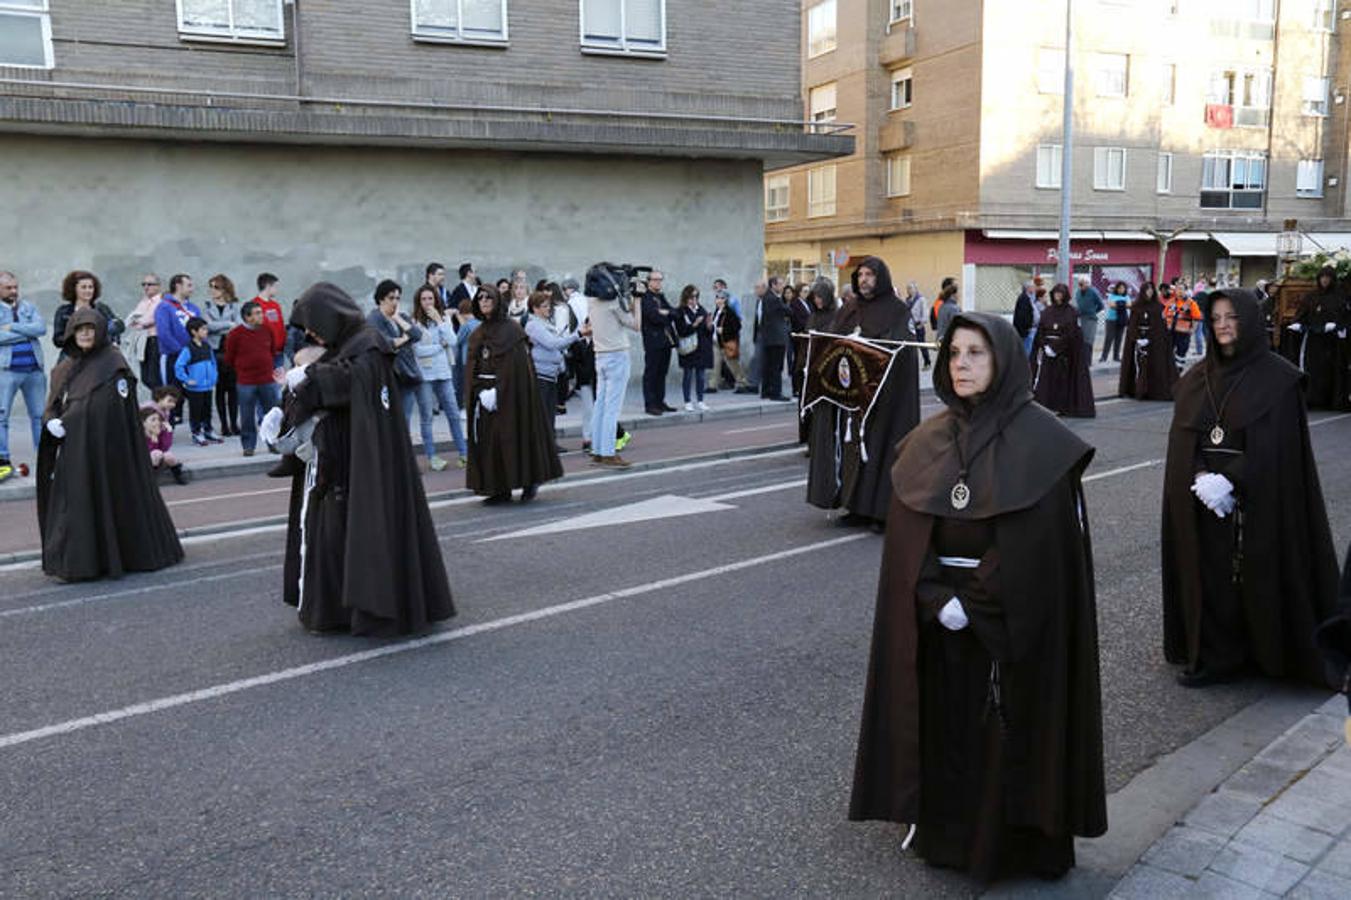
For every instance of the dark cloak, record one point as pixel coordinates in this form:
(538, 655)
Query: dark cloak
(1283, 553)
(512, 447)
(100, 513)
(368, 552)
(1323, 356)
(1149, 372)
(819, 320)
(1011, 789)
(838, 476)
(1061, 383)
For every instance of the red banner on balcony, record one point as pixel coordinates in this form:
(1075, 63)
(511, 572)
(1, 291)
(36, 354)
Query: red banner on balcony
(1219, 115)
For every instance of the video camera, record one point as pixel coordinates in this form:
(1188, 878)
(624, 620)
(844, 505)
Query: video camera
(612, 281)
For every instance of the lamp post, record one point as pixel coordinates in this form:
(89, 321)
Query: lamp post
(1063, 267)
(1289, 245)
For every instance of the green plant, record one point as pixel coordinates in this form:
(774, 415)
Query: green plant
(1310, 267)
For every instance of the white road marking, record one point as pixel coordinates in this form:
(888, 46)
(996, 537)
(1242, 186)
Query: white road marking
(667, 506)
(1330, 419)
(130, 592)
(752, 492)
(1123, 470)
(762, 427)
(234, 687)
(1109, 402)
(191, 500)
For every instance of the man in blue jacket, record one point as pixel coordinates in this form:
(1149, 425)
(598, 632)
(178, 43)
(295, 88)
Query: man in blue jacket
(20, 364)
(171, 327)
(1089, 303)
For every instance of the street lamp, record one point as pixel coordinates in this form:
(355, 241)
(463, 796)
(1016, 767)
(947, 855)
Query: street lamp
(1289, 244)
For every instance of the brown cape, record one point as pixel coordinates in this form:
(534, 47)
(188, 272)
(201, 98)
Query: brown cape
(1148, 372)
(1061, 382)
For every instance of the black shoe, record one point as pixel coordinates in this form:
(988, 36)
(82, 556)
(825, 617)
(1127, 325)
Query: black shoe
(497, 499)
(878, 526)
(529, 493)
(746, 390)
(180, 476)
(710, 390)
(852, 520)
(1204, 677)
(655, 411)
(780, 399)
(666, 407)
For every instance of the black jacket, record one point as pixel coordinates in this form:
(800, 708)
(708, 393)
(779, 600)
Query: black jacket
(658, 330)
(774, 326)
(1023, 315)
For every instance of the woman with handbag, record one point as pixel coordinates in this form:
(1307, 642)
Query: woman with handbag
(695, 346)
(726, 327)
(434, 352)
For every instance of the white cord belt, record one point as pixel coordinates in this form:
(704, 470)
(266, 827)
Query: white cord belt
(959, 562)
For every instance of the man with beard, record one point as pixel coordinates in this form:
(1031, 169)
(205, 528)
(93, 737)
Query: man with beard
(361, 551)
(843, 473)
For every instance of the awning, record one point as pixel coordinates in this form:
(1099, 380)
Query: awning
(1004, 234)
(1263, 243)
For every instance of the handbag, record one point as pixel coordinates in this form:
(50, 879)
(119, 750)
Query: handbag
(732, 349)
(688, 344)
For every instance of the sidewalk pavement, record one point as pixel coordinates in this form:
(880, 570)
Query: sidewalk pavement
(1278, 827)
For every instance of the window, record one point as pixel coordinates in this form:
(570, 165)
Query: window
(1049, 160)
(898, 176)
(25, 34)
(258, 21)
(821, 28)
(1315, 96)
(821, 101)
(902, 88)
(1050, 71)
(1169, 92)
(1249, 19)
(636, 27)
(821, 191)
(1109, 168)
(1233, 179)
(902, 11)
(1324, 13)
(467, 21)
(1309, 178)
(776, 198)
(1249, 92)
(1110, 74)
(1164, 181)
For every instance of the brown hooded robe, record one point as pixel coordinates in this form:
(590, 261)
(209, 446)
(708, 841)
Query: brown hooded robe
(1060, 379)
(100, 513)
(1147, 372)
(988, 739)
(1251, 587)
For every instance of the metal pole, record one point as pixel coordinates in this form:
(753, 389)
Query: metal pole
(1063, 267)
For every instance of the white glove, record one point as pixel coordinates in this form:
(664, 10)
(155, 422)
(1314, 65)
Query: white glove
(270, 430)
(1143, 342)
(952, 616)
(296, 377)
(488, 399)
(1216, 492)
(1048, 351)
(1295, 326)
(1330, 327)
(1342, 334)
(56, 429)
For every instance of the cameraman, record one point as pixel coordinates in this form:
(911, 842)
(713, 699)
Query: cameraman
(608, 319)
(658, 341)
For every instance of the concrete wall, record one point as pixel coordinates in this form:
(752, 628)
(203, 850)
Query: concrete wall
(357, 215)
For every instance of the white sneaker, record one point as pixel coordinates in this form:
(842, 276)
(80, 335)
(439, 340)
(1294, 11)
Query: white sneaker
(703, 407)
(689, 407)
(437, 464)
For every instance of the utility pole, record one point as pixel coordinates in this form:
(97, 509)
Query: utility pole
(1063, 268)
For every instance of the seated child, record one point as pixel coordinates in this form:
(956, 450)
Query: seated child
(159, 439)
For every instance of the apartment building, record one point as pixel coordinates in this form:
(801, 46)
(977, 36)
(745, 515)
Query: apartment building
(1202, 123)
(356, 141)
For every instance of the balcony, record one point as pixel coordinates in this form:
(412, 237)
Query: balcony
(897, 135)
(1223, 115)
(898, 46)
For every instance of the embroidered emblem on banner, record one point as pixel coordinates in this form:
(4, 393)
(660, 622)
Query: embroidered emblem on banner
(485, 352)
(384, 397)
(846, 375)
(122, 389)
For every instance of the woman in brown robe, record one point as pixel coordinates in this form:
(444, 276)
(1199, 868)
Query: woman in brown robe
(1060, 379)
(982, 723)
(1148, 368)
(510, 443)
(1249, 568)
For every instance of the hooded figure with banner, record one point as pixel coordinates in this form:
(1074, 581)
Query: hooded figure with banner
(1249, 568)
(1148, 367)
(982, 718)
(100, 513)
(362, 553)
(866, 398)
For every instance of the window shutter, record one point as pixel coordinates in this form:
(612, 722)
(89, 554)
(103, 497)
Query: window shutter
(206, 14)
(482, 18)
(258, 16)
(643, 20)
(600, 19)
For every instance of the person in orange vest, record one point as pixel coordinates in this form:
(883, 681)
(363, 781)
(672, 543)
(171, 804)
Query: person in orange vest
(1181, 313)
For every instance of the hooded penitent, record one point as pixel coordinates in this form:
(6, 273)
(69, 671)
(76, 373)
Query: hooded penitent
(99, 508)
(987, 738)
(1148, 366)
(842, 474)
(1060, 360)
(1325, 318)
(362, 552)
(512, 446)
(1248, 588)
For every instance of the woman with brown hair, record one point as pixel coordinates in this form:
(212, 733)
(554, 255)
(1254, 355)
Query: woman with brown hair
(81, 290)
(510, 445)
(222, 315)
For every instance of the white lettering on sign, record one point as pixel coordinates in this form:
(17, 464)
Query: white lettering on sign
(1080, 255)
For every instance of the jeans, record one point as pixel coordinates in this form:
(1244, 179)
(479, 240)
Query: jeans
(693, 380)
(548, 401)
(426, 394)
(588, 394)
(1027, 343)
(255, 400)
(1116, 330)
(1089, 327)
(1201, 337)
(612, 379)
(33, 386)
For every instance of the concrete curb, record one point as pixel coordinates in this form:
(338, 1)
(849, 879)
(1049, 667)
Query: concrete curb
(578, 479)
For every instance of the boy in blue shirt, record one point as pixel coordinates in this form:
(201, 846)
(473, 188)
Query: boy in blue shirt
(195, 370)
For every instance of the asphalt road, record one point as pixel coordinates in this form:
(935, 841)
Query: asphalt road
(687, 728)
